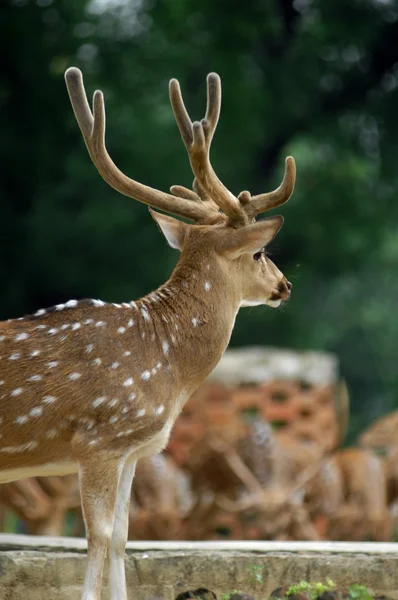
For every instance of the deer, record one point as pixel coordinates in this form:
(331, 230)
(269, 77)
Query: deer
(90, 386)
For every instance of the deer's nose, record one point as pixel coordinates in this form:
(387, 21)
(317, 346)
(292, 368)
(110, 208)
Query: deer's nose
(289, 285)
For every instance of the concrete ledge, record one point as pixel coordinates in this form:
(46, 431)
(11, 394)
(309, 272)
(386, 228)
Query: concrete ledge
(34, 568)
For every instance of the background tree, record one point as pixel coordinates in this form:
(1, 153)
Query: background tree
(318, 80)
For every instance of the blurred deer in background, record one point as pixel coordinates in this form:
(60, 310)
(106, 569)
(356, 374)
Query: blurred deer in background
(89, 386)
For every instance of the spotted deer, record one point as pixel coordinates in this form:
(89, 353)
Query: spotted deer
(89, 386)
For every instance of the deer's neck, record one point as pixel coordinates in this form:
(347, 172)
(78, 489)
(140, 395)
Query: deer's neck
(190, 319)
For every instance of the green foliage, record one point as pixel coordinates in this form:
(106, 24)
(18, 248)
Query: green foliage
(360, 592)
(314, 589)
(314, 79)
(256, 573)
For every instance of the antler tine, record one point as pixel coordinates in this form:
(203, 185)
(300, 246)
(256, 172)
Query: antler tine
(92, 126)
(197, 139)
(183, 192)
(183, 120)
(213, 107)
(78, 98)
(263, 202)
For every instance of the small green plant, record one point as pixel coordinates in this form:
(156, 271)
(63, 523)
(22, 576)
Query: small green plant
(359, 592)
(314, 589)
(256, 573)
(229, 594)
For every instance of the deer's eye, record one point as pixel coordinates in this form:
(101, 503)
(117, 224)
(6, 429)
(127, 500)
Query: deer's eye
(257, 256)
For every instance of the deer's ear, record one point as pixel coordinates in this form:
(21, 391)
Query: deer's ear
(252, 238)
(173, 230)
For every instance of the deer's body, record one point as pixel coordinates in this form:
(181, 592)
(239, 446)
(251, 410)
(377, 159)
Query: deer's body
(92, 387)
(123, 354)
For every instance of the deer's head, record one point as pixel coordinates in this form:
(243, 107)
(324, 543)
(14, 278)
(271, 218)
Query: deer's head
(225, 229)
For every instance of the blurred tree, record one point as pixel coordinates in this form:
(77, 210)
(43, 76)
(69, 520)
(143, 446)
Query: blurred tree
(318, 80)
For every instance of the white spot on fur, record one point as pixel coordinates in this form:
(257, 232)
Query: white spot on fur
(195, 322)
(207, 286)
(21, 420)
(37, 411)
(121, 330)
(65, 326)
(97, 361)
(165, 348)
(98, 401)
(74, 376)
(117, 305)
(159, 409)
(35, 353)
(2, 382)
(52, 364)
(113, 402)
(122, 433)
(127, 353)
(21, 336)
(51, 434)
(98, 302)
(40, 312)
(71, 303)
(133, 305)
(52, 331)
(35, 378)
(145, 375)
(17, 392)
(88, 321)
(14, 356)
(100, 324)
(132, 397)
(60, 307)
(41, 327)
(89, 348)
(130, 323)
(113, 419)
(145, 314)
(128, 382)
(49, 399)
(76, 326)
(115, 365)
(141, 412)
(22, 448)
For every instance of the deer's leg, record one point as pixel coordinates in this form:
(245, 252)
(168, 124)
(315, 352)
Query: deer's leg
(98, 488)
(117, 545)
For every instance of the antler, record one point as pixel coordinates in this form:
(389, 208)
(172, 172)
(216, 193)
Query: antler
(201, 205)
(197, 138)
(92, 126)
(255, 205)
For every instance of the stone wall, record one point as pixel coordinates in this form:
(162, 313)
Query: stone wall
(53, 568)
